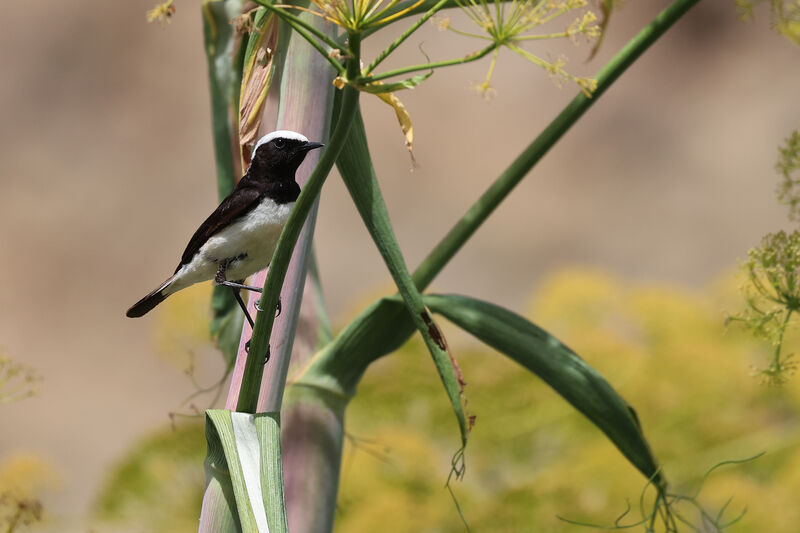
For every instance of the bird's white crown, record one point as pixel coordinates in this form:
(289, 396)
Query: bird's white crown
(280, 134)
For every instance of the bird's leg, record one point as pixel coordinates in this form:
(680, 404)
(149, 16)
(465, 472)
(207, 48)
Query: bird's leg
(243, 306)
(219, 278)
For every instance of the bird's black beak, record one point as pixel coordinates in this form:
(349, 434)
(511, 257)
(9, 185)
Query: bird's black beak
(307, 147)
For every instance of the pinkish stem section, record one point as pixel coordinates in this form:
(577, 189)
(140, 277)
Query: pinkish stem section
(311, 440)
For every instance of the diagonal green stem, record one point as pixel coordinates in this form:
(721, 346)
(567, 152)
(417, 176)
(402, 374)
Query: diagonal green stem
(496, 193)
(405, 35)
(254, 367)
(446, 63)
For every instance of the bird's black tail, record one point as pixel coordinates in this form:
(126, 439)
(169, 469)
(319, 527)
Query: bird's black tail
(146, 304)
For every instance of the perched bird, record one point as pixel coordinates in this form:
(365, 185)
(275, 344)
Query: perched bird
(239, 237)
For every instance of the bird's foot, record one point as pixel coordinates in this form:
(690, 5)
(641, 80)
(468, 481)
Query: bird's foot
(277, 311)
(247, 350)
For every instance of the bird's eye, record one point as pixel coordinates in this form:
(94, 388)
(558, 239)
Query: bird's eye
(279, 143)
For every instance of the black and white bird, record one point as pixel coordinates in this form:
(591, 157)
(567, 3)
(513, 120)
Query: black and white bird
(239, 237)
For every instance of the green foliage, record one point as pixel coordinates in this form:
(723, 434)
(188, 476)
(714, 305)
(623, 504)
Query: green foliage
(158, 486)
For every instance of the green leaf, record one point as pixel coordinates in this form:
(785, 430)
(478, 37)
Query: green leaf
(379, 330)
(558, 366)
(244, 460)
(224, 79)
(355, 166)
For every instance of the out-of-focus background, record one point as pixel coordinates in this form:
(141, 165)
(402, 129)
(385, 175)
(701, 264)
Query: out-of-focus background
(106, 168)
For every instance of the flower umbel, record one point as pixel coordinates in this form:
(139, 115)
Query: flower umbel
(772, 296)
(511, 23)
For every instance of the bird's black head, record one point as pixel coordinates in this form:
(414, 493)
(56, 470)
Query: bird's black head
(280, 153)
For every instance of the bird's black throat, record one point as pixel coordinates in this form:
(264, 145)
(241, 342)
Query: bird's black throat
(281, 189)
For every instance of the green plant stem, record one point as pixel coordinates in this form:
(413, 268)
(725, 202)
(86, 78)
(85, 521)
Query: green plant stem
(405, 35)
(488, 202)
(446, 63)
(784, 325)
(254, 367)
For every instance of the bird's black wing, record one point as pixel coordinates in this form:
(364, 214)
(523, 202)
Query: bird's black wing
(232, 207)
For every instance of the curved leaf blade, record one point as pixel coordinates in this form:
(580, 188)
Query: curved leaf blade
(355, 166)
(558, 366)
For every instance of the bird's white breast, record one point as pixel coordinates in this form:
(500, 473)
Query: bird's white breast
(251, 238)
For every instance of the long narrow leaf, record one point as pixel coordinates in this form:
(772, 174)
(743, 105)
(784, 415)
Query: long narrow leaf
(558, 366)
(355, 166)
(223, 81)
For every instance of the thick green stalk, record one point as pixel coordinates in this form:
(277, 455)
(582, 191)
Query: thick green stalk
(254, 367)
(488, 202)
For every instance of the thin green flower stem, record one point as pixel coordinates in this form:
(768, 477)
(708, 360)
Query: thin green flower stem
(471, 35)
(254, 367)
(405, 35)
(527, 55)
(777, 357)
(560, 35)
(297, 23)
(492, 64)
(496, 193)
(373, 16)
(437, 64)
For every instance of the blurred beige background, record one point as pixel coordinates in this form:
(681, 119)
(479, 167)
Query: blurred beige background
(104, 130)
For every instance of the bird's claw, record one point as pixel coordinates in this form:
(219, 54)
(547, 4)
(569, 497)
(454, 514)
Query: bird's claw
(247, 351)
(277, 312)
